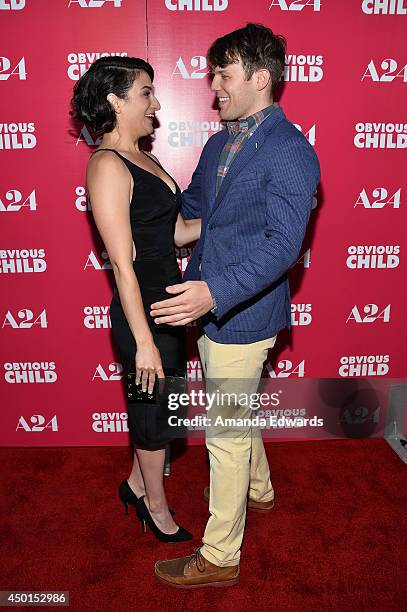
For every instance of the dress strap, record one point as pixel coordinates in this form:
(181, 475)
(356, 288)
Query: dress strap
(113, 150)
(126, 161)
(154, 160)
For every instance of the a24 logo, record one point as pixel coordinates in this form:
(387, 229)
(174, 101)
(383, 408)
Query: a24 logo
(286, 368)
(93, 262)
(380, 198)
(95, 3)
(6, 69)
(27, 319)
(370, 314)
(36, 423)
(305, 259)
(183, 69)
(13, 201)
(310, 135)
(86, 136)
(114, 371)
(385, 72)
(295, 5)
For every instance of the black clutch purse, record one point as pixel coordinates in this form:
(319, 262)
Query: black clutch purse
(174, 382)
(149, 414)
(136, 394)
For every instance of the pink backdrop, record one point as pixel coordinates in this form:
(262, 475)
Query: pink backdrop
(345, 89)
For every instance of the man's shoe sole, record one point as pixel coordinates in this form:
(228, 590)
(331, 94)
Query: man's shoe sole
(249, 506)
(261, 510)
(221, 583)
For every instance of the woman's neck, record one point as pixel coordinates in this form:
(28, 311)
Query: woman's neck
(114, 140)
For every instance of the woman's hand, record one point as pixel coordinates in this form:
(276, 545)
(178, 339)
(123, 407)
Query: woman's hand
(148, 365)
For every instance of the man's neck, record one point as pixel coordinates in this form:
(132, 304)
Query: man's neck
(257, 109)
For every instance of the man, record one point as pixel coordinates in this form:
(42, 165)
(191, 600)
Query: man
(253, 188)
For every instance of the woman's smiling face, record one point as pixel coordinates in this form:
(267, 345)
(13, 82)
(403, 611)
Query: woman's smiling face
(137, 110)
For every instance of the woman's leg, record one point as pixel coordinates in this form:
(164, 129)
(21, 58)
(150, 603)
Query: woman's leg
(135, 480)
(151, 464)
(172, 347)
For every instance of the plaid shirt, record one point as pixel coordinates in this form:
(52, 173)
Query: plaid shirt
(239, 132)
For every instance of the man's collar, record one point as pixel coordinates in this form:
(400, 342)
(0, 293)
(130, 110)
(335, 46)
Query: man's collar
(244, 125)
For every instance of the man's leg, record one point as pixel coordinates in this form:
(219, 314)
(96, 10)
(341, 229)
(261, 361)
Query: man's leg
(231, 368)
(260, 488)
(237, 368)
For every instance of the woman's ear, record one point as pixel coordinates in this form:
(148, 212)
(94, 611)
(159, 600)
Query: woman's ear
(114, 102)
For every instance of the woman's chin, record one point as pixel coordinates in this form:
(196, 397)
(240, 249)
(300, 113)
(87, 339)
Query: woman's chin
(149, 130)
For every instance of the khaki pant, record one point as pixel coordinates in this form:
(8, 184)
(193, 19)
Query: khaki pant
(238, 462)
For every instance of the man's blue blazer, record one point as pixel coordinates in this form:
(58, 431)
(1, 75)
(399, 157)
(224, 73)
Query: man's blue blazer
(253, 229)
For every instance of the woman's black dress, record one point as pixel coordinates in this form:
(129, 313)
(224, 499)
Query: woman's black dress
(153, 212)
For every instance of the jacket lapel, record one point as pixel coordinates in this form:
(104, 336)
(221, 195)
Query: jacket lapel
(213, 172)
(248, 150)
(246, 153)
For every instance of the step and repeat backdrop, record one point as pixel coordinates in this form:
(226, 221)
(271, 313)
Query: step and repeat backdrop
(344, 88)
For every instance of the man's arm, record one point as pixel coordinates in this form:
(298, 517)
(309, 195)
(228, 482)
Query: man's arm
(288, 206)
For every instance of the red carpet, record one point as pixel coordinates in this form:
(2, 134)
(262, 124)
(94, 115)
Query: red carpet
(335, 541)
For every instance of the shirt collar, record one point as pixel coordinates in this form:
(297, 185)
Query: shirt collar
(244, 125)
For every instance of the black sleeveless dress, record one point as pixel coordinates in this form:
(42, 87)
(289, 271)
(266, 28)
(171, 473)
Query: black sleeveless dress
(153, 212)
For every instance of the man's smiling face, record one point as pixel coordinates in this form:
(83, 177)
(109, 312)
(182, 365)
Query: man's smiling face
(238, 97)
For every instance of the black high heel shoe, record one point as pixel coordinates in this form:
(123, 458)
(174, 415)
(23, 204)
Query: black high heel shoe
(127, 496)
(182, 535)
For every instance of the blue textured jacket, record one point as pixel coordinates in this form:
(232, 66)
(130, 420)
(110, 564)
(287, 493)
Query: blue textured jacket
(253, 229)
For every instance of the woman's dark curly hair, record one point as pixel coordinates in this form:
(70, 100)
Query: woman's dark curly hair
(256, 46)
(110, 74)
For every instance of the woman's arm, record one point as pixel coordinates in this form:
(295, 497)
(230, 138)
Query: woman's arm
(109, 186)
(186, 230)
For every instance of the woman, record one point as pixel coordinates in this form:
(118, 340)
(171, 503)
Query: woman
(135, 205)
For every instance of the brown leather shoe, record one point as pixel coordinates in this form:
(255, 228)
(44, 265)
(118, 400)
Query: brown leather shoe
(256, 506)
(195, 571)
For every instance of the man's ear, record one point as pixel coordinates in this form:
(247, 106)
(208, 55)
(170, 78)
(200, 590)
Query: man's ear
(263, 79)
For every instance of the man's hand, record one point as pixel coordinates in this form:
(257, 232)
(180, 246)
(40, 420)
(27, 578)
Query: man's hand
(193, 299)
